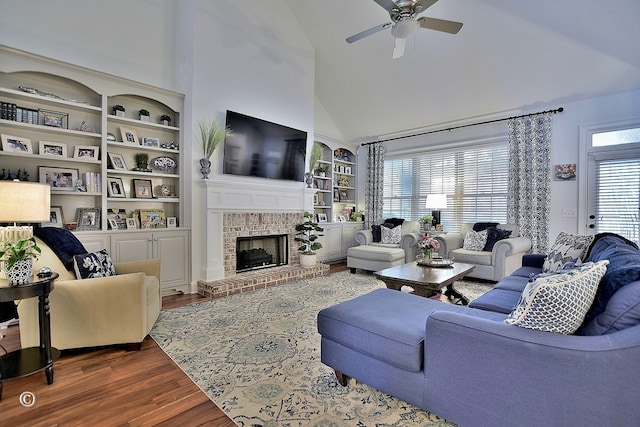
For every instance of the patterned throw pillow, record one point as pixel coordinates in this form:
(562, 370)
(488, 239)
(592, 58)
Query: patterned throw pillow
(558, 303)
(567, 248)
(475, 240)
(96, 264)
(391, 235)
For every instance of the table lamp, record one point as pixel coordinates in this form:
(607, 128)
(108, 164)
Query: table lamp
(436, 202)
(22, 202)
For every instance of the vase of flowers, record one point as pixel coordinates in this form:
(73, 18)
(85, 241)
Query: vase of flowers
(18, 259)
(428, 245)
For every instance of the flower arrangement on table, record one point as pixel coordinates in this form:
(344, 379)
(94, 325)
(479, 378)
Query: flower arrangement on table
(427, 245)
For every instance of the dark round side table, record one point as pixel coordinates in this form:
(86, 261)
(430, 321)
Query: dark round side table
(29, 360)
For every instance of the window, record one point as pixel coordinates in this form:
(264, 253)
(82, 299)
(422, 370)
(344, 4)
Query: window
(475, 180)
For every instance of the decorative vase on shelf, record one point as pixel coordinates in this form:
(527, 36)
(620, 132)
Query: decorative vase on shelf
(308, 178)
(205, 167)
(20, 272)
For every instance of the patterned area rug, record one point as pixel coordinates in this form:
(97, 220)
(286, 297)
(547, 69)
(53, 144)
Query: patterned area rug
(257, 356)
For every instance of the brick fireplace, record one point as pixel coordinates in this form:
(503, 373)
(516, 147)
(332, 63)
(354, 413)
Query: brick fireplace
(262, 208)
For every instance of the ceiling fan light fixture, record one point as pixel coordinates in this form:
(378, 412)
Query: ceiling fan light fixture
(404, 28)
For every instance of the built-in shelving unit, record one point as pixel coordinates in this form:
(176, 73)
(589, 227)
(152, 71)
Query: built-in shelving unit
(59, 126)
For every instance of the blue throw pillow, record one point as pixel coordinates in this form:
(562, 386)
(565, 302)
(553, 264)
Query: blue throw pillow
(481, 226)
(377, 234)
(623, 268)
(495, 234)
(62, 242)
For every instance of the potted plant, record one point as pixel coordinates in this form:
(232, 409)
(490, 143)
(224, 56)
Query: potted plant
(18, 259)
(142, 161)
(307, 232)
(321, 170)
(316, 154)
(211, 134)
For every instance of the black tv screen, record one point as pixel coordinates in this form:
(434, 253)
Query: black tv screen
(263, 149)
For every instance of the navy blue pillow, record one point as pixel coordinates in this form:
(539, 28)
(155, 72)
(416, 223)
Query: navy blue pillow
(395, 221)
(493, 235)
(377, 234)
(481, 226)
(623, 268)
(62, 242)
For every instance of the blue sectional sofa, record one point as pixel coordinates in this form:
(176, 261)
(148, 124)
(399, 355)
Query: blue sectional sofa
(468, 366)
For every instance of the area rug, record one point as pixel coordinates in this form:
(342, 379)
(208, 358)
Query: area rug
(257, 356)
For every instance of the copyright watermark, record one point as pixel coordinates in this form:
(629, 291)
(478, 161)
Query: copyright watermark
(27, 399)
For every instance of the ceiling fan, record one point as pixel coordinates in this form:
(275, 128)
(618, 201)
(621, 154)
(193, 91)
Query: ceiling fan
(404, 23)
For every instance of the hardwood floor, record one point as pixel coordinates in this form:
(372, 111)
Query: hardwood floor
(111, 386)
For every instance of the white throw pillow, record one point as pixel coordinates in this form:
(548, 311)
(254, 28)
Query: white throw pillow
(567, 248)
(391, 235)
(559, 303)
(475, 240)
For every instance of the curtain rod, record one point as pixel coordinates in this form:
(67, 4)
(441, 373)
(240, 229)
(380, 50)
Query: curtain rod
(557, 110)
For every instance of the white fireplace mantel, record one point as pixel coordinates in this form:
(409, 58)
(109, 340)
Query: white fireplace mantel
(234, 194)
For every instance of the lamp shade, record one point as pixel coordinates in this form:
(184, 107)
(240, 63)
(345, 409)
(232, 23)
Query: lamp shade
(24, 202)
(436, 202)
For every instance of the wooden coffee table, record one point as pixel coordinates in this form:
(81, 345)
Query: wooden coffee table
(425, 281)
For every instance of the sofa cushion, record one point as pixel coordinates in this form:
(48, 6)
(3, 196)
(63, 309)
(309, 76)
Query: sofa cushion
(390, 235)
(622, 311)
(497, 300)
(62, 242)
(493, 236)
(567, 248)
(472, 257)
(558, 303)
(475, 240)
(93, 264)
(378, 252)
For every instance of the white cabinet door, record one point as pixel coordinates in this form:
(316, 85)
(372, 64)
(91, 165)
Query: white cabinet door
(95, 242)
(172, 247)
(132, 246)
(349, 236)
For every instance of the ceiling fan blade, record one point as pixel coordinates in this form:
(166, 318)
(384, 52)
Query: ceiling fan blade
(388, 5)
(398, 49)
(365, 33)
(443, 25)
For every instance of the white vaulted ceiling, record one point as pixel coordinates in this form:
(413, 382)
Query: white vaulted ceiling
(511, 55)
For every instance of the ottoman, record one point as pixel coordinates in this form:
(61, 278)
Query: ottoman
(373, 258)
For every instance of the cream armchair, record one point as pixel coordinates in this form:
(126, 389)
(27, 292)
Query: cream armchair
(494, 265)
(119, 309)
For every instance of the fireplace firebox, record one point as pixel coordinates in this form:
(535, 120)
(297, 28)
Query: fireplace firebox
(257, 252)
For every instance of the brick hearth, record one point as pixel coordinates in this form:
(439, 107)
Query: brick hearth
(260, 279)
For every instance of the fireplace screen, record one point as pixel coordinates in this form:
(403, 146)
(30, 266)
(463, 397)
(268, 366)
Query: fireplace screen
(257, 252)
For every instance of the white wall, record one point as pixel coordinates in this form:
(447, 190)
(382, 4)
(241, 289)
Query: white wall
(249, 56)
(565, 146)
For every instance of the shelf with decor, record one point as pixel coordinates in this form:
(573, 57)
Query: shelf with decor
(58, 125)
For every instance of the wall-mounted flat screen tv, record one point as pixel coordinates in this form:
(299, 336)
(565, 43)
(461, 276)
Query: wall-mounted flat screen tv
(263, 149)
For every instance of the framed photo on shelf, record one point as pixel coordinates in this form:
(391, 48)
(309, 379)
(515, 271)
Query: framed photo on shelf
(58, 178)
(131, 224)
(112, 223)
(150, 142)
(344, 195)
(88, 218)
(171, 221)
(322, 217)
(153, 218)
(115, 187)
(341, 218)
(56, 119)
(57, 149)
(117, 161)
(55, 218)
(142, 189)
(129, 136)
(16, 144)
(120, 217)
(86, 152)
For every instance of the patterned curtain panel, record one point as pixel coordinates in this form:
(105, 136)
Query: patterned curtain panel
(375, 181)
(530, 178)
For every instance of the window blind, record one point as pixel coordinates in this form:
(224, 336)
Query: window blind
(475, 180)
